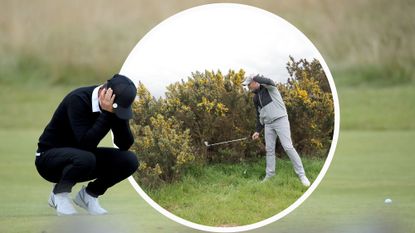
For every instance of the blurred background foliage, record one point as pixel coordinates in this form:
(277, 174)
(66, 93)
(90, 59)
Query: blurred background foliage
(50, 47)
(81, 42)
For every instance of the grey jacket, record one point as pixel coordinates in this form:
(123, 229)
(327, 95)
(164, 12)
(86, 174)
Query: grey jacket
(268, 102)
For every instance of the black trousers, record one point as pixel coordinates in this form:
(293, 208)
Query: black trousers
(68, 166)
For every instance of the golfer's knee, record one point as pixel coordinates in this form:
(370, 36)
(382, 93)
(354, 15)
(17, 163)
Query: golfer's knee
(129, 162)
(85, 161)
(270, 152)
(287, 147)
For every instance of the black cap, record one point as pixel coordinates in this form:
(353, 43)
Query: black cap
(125, 92)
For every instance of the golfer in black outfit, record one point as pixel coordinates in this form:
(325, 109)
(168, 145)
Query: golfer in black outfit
(67, 150)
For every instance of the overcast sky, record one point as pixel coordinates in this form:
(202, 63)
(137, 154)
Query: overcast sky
(212, 37)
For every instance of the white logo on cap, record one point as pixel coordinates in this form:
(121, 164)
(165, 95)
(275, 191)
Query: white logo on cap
(115, 105)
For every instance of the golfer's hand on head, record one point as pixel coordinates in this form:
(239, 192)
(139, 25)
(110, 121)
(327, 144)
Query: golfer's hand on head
(106, 99)
(255, 136)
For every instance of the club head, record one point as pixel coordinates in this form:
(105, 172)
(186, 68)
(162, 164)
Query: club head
(206, 143)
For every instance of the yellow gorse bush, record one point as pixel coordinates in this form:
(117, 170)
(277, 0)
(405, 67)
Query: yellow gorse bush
(310, 107)
(164, 149)
(213, 107)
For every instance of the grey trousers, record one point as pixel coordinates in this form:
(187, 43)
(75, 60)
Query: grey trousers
(281, 128)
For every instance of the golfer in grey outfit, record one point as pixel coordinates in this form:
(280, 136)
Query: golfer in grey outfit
(272, 115)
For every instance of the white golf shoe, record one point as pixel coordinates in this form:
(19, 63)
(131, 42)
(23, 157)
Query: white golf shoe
(304, 180)
(89, 203)
(62, 203)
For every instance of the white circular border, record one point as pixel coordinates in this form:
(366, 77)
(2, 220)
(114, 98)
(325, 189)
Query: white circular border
(286, 211)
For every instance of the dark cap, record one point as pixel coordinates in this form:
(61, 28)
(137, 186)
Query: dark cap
(125, 92)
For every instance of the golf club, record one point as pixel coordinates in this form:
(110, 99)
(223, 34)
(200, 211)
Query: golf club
(224, 142)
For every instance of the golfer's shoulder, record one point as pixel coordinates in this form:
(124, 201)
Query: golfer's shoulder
(271, 88)
(274, 92)
(79, 95)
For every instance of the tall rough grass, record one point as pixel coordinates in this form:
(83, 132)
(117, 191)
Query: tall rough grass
(232, 195)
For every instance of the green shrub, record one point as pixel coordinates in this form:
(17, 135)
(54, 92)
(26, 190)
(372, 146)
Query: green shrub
(164, 149)
(215, 108)
(170, 132)
(310, 107)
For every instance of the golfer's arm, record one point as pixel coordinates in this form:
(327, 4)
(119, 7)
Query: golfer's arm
(263, 80)
(123, 138)
(87, 136)
(259, 126)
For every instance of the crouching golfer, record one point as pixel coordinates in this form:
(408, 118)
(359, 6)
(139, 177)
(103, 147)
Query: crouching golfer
(272, 114)
(67, 150)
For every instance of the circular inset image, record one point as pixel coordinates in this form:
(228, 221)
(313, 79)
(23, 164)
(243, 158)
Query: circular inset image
(236, 119)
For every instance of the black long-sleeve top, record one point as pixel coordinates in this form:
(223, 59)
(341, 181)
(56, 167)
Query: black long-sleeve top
(258, 126)
(74, 124)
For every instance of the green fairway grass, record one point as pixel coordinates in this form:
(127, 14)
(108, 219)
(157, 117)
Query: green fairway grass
(217, 192)
(24, 195)
(29, 107)
(369, 166)
(368, 108)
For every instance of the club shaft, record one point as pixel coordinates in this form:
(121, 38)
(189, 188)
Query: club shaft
(225, 142)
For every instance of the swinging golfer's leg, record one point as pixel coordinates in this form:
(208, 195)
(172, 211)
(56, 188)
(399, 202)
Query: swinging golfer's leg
(282, 126)
(270, 140)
